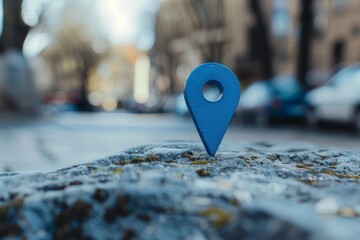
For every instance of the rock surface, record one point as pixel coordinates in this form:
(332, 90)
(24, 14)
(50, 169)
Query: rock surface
(176, 191)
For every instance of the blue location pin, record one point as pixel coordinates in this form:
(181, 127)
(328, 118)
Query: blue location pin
(212, 118)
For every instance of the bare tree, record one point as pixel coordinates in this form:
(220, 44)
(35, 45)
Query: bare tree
(76, 40)
(73, 43)
(263, 39)
(18, 92)
(184, 19)
(304, 50)
(14, 28)
(210, 15)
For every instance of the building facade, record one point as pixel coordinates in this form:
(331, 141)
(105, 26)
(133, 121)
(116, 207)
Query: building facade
(189, 32)
(337, 38)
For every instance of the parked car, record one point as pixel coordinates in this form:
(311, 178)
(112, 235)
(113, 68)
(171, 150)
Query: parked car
(280, 98)
(338, 100)
(180, 106)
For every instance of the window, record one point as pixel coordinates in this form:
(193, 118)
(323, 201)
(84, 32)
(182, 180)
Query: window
(339, 4)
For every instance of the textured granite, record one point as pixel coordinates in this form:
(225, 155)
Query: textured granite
(176, 191)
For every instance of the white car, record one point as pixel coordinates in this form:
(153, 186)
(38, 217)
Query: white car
(338, 100)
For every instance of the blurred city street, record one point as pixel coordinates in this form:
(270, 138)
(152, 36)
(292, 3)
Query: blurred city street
(294, 60)
(97, 139)
(66, 139)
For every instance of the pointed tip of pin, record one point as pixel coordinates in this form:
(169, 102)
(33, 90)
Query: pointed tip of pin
(211, 152)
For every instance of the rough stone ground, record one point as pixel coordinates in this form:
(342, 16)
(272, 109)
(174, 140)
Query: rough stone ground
(176, 191)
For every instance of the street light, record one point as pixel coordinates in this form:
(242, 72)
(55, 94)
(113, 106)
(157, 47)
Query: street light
(142, 79)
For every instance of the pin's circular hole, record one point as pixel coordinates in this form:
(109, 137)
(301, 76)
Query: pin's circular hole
(212, 91)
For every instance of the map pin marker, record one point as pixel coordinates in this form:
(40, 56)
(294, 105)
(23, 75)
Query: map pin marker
(212, 118)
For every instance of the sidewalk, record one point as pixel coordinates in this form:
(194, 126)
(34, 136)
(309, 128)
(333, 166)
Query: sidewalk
(72, 138)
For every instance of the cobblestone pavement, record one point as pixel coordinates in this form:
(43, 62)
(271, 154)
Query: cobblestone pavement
(176, 191)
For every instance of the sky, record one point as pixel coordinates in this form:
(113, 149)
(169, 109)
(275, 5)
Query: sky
(124, 20)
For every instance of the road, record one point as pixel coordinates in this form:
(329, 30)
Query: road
(71, 138)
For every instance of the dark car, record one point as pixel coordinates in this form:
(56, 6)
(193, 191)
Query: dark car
(278, 99)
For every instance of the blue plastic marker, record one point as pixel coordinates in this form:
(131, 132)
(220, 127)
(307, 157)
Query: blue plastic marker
(212, 118)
